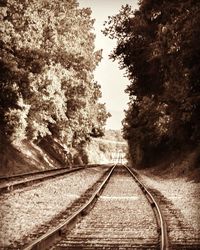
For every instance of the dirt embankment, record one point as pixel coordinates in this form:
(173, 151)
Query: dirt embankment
(177, 164)
(26, 156)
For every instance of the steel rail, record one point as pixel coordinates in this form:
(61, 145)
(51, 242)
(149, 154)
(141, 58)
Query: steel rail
(23, 175)
(164, 243)
(46, 240)
(9, 186)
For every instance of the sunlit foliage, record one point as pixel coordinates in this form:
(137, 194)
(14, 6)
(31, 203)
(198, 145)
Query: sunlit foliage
(47, 59)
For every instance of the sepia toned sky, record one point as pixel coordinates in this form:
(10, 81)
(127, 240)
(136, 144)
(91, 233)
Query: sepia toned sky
(107, 73)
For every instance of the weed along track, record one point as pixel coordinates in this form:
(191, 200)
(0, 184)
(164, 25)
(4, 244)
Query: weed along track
(117, 216)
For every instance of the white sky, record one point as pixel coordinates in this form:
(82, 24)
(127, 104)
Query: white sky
(107, 73)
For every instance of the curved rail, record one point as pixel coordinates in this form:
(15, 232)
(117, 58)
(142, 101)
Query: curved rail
(164, 245)
(45, 241)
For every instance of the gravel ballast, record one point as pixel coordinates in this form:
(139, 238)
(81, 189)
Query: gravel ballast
(179, 199)
(122, 216)
(24, 210)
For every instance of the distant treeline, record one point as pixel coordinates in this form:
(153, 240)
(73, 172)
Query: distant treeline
(47, 59)
(158, 46)
(113, 135)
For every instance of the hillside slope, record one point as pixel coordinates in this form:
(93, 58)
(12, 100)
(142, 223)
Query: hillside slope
(50, 153)
(26, 157)
(106, 151)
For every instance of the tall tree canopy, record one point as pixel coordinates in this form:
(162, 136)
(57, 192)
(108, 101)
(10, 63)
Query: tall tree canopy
(47, 59)
(158, 45)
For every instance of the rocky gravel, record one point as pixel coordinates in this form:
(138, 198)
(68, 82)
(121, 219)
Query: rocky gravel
(23, 211)
(179, 199)
(121, 216)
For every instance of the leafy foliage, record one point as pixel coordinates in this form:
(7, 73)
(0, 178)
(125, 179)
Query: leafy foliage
(158, 47)
(47, 59)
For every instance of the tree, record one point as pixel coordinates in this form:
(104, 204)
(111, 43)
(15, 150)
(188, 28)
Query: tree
(157, 45)
(47, 63)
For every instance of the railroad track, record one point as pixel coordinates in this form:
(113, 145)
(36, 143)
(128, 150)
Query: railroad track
(116, 215)
(9, 183)
(181, 235)
(178, 229)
